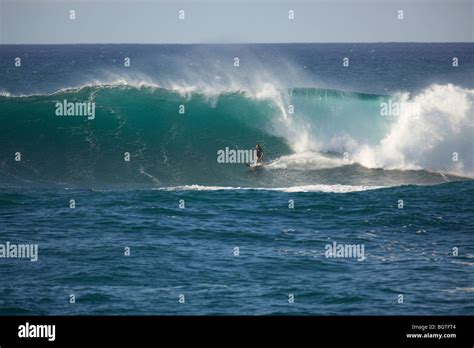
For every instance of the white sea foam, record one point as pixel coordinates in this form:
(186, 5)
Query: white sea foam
(440, 123)
(303, 188)
(306, 161)
(436, 124)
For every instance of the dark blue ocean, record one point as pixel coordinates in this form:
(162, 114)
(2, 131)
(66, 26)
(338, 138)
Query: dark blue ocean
(364, 204)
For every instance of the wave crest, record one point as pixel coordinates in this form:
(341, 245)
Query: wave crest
(328, 129)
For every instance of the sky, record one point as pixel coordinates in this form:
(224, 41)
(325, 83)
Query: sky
(234, 21)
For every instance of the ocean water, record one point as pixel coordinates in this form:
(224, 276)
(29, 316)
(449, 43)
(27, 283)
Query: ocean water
(399, 186)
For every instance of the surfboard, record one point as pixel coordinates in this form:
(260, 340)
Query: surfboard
(254, 166)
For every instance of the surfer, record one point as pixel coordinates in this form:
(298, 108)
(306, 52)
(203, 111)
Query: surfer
(259, 154)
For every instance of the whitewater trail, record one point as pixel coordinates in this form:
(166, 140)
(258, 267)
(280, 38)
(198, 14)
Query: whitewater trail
(303, 188)
(306, 161)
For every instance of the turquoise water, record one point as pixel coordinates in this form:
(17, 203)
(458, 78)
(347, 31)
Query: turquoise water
(171, 149)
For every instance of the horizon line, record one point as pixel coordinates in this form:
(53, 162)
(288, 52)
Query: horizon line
(238, 43)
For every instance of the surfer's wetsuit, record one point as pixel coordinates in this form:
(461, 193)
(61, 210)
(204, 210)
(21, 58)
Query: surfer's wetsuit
(259, 154)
